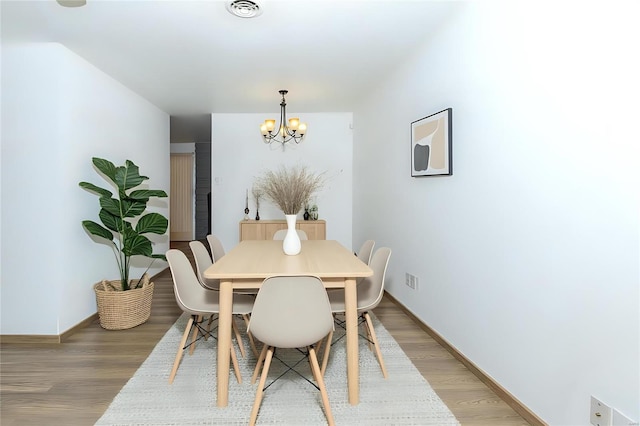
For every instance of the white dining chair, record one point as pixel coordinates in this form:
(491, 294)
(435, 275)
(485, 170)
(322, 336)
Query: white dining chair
(290, 312)
(366, 250)
(195, 300)
(370, 292)
(242, 303)
(217, 249)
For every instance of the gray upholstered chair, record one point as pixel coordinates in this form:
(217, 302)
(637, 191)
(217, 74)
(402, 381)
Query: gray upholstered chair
(242, 303)
(366, 250)
(281, 233)
(217, 249)
(195, 300)
(370, 292)
(290, 312)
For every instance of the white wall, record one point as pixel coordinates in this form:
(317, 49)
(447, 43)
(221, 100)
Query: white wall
(527, 257)
(239, 156)
(58, 111)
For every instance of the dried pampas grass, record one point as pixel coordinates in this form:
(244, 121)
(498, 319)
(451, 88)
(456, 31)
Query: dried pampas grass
(290, 188)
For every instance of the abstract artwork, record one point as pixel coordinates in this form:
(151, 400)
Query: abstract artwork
(431, 145)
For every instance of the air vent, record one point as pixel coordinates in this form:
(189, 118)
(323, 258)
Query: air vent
(72, 3)
(244, 8)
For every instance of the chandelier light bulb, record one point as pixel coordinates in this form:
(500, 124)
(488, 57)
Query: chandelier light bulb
(288, 130)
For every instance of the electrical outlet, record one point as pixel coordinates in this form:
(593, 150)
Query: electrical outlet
(619, 419)
(600, 413)
(410, 280)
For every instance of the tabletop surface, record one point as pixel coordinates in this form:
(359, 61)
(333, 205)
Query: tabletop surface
(259, 259)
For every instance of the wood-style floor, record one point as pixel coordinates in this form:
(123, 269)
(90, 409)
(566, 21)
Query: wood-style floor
(73, 383)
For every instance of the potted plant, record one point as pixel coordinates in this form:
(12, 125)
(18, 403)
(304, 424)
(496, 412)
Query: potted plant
(126, 302)
(290, 189)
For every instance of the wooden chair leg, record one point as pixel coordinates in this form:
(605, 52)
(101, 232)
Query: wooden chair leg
(236, 367)
(260, 391)
(259, 364)
(195, 336)
(318, 348)
(252, 342)
(238, 337)
(183, 342)
(323, 390)
(318, 345)
(376, 345)
(325, 357)
(313, 371)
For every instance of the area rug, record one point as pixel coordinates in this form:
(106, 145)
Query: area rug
(404, 398)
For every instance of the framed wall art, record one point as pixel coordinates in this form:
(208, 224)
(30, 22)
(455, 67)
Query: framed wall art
(431, 145)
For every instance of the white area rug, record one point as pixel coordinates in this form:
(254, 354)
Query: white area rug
(404, 398)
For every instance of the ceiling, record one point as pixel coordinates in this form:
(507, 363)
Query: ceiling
(194, 57)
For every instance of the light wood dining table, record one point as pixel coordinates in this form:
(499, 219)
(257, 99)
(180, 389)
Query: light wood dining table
(250, 262)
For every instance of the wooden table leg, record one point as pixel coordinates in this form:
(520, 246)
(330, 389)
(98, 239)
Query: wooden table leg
(224, 342)
(351, 313)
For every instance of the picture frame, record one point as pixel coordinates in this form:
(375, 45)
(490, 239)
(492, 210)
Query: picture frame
(432, 145)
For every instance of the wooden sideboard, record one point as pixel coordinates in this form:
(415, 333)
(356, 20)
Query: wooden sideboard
(264, 229)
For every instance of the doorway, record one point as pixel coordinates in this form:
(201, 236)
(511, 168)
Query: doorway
(182, 197)
(192, 134)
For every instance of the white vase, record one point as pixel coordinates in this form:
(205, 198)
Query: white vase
(291, 243)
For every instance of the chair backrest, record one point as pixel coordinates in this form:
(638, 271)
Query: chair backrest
(291, 312)
(203, 261)
(217, 250)
(371, 289)
(190, 295)
(365, 251)
(281, 233)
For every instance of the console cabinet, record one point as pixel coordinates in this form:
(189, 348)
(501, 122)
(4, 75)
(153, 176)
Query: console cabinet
(264, 229)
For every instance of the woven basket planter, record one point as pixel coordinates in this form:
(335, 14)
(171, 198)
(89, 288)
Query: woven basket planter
(119, 310)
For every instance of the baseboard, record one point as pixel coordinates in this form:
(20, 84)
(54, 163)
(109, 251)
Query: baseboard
(54, 338)
(82, 324)
(507, 397)
(48, 338)
(30, 338)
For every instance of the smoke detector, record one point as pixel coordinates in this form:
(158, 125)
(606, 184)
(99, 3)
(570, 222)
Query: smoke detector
(244, 8)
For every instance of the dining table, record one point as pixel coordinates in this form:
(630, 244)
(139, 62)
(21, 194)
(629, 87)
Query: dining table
(248, 264)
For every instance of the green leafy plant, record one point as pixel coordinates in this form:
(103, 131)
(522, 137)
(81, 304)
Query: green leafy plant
(123, 222)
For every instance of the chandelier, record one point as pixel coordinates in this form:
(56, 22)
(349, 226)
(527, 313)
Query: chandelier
(287, 131)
